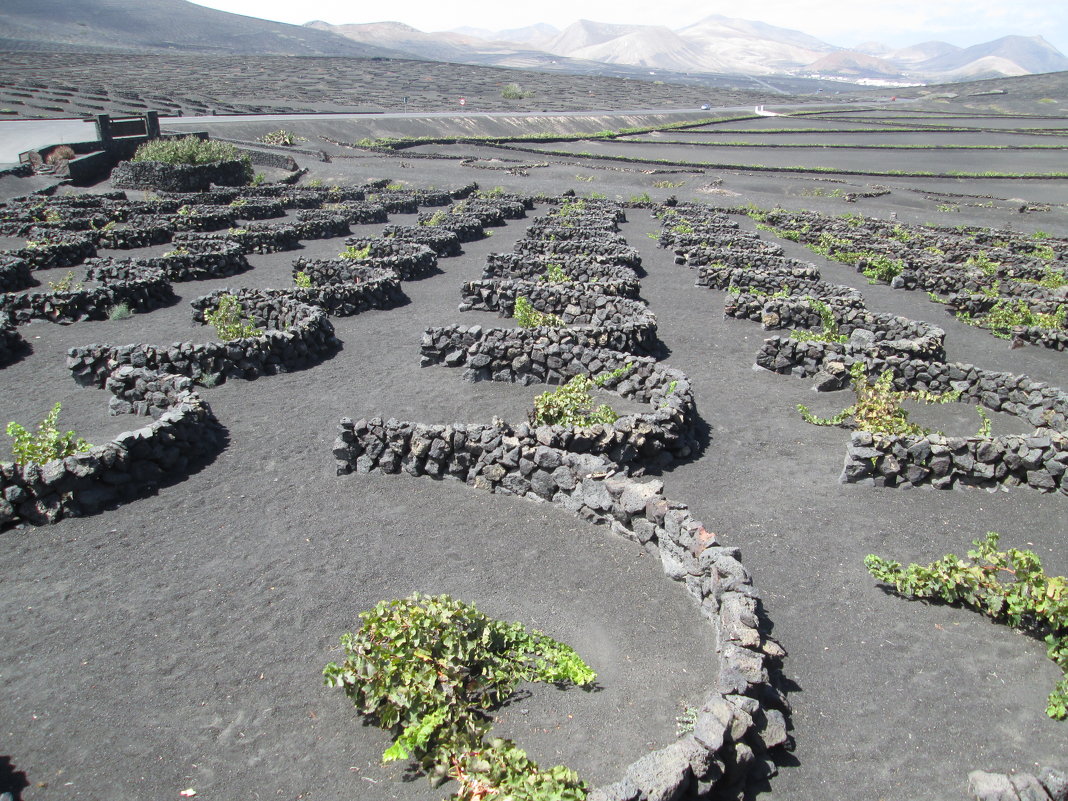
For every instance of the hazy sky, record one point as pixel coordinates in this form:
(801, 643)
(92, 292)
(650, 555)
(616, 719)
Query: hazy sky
(839, 22)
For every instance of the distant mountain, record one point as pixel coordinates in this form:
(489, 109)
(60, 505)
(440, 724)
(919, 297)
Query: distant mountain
(160, 25)
(531, 35)
(1024, 54)
(849, 63)
(715, 44)
(909, 57)
(397, 36)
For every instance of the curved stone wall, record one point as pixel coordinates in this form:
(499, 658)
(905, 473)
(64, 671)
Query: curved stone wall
(297, 335)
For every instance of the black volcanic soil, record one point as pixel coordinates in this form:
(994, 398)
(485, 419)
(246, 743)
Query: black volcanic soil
(177, 641)
(48, 85)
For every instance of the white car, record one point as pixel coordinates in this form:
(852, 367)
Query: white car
(706, 107)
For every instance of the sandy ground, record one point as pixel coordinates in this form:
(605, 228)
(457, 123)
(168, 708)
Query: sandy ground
(176, 642)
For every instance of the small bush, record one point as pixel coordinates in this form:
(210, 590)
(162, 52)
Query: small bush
(58, 154)
(302, 280)
(120, 311)
(66, 284)
(229, 320)
(514, 92)
(353, 252)
(528, 317)
(829, 330)
(1008, 586)
(188, 150)
(280, 137)
(428, 669)
(878, 406)
(571, 405)
(46, 443)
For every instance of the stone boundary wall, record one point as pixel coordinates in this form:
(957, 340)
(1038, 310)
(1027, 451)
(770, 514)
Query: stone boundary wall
(723, 234)
(603, 252)
(218, 258)
(134, 464)
(594, 223)
(12, 346)
(140, 289)
(15, 274)
(699, 256)
(246, 207)
(179, 177)
(136, 390)
(610, 279)
(743, 717)
(409, 260)
(138, 234)
(55, 248)
(357, 212)
(738, 270)
(506, 209)
(297, 335)
(467, 227)
(394, 202)
(376, 289)
(252, 238)
(202, 217)
(1037, 461)
(442, 241)
(523, 356)
(612, 322)
(978, 305)
(750, 290)
(561, 233)
(888, 333)
(321, 225)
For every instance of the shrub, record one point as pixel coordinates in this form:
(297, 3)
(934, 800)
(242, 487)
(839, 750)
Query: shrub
(279, 137)
(46, 443)
(120, 311)
(528, 317)
(60, 153)
(883, 268)
(878, 406)
(513, 92)
(829, 330)
(428, 669)
(353, 252)
(554, 274)
(229, 320)
(66, 284)
(1009, 586)
(188, 150)
(302, 280)
(572, 404)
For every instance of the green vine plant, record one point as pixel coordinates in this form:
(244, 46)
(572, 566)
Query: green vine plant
(878, 406)
(66, 284)
(573, 405)
(554, 274)
(528, 317)
(430, 669)
(437, 218)
(882, 268)
(229, 320)
(46, 442)
(1008, 313)
(302, 280)
(177, 251)
(829, 326)
(1008, 586)
(353, 252)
